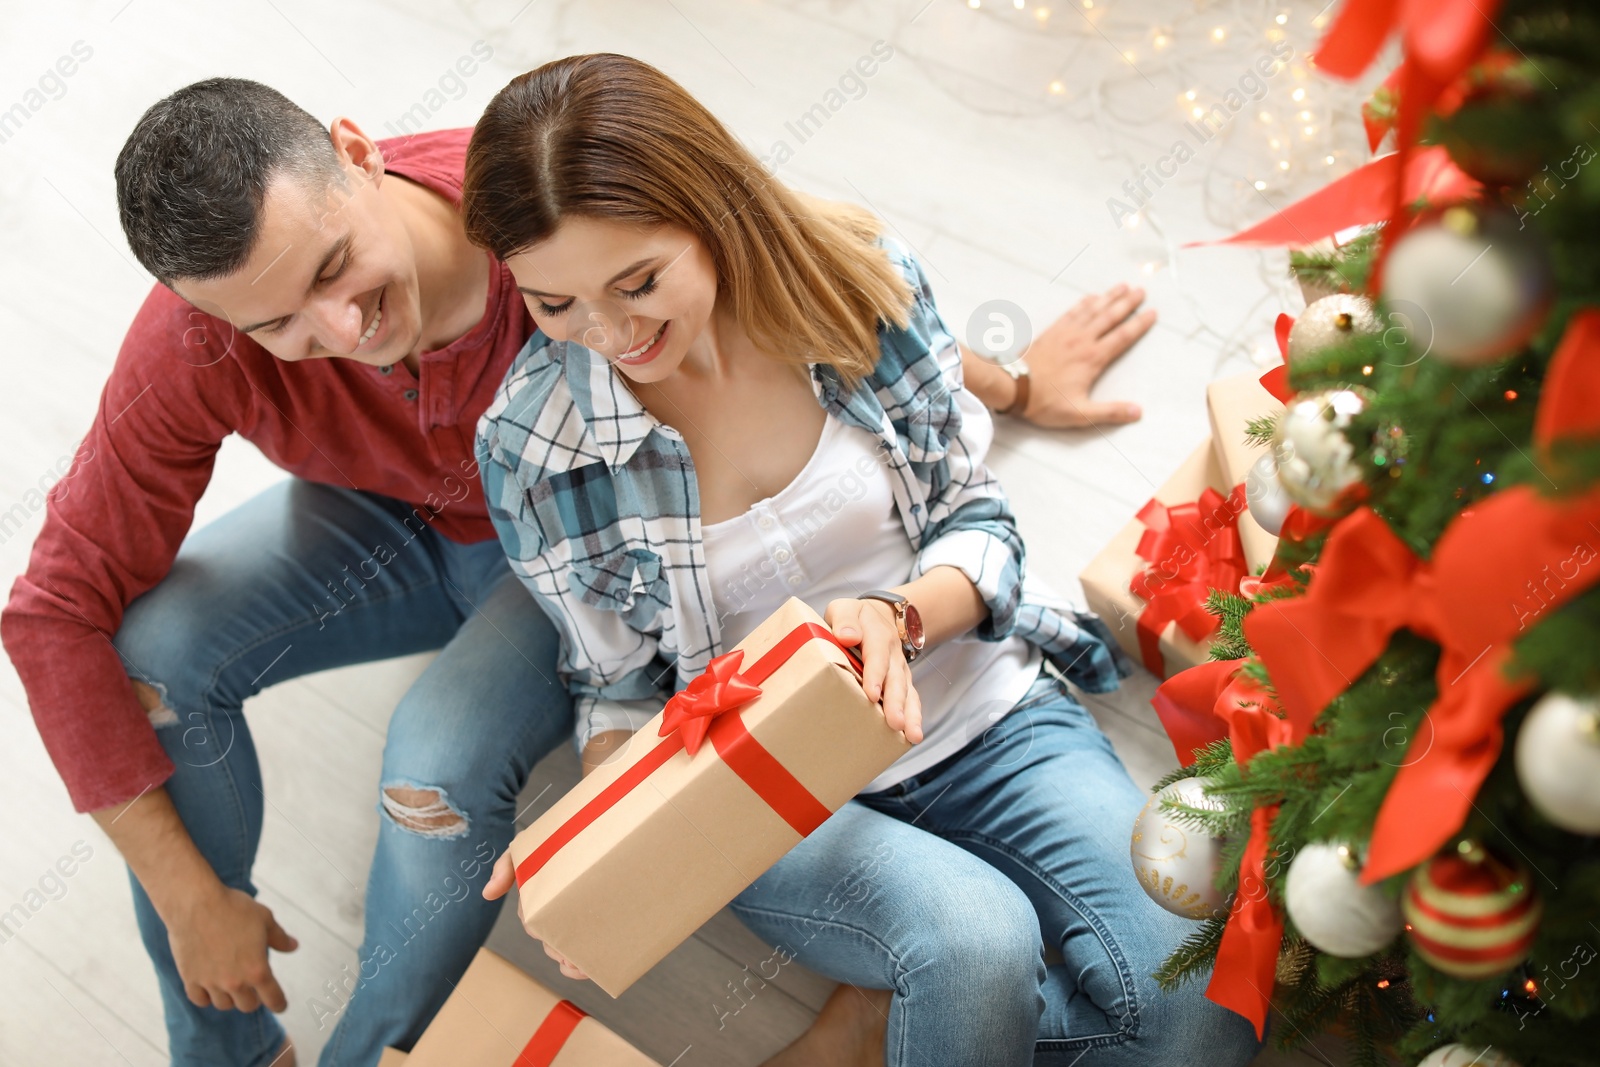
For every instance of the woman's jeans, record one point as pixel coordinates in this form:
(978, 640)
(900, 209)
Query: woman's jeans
(303, 578)
(940, 888)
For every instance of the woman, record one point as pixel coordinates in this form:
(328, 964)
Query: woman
(737, 395)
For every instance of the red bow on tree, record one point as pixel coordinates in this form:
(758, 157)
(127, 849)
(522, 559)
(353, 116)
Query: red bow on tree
(1497, 567)
(1197, 707)
(720, 689)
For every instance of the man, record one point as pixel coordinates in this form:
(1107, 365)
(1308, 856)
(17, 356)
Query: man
(318, 297)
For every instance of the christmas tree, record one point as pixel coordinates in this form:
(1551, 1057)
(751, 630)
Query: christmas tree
(1398, 736)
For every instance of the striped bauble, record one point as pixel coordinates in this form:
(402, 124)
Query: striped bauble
(1470, 914)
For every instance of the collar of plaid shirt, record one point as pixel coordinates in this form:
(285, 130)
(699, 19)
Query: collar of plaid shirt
(596, 503)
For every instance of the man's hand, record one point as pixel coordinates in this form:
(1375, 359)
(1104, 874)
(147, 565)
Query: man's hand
(500, 883)
(1070, 355)
(220, 945)
(1066, 360)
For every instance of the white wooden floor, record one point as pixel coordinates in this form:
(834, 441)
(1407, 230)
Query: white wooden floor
(991, 140)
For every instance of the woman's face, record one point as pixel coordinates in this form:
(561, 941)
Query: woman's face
(638, 296)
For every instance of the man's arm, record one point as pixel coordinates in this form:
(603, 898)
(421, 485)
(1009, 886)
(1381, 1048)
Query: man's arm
(112, 527)
(1066, 360)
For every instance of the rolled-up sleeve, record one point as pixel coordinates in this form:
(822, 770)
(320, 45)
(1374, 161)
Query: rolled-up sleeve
(970, 525)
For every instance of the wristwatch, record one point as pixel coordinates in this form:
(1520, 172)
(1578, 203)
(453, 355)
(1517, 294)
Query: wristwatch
(906, 619)
(1018, 369)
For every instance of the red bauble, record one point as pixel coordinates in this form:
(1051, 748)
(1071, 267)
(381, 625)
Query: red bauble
(1469, 914)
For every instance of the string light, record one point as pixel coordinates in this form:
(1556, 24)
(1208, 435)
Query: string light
(1057, 88)
(1219, 34)
(1019, 4)
(1298, 95)
(1328, 160)
(1260, 185)
(1042, 14)
(1189, 95)
(1161, 40)
(1129, 56)
(1281, 18)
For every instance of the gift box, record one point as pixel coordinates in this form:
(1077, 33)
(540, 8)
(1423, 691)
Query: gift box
(499, 1017)
(1150, 583)
(1233, 403)
(752, 756)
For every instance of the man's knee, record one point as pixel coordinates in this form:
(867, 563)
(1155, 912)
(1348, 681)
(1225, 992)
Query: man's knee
(423, 810)
(153, 698)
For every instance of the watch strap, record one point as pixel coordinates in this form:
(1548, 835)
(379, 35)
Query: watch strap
(1019, 401)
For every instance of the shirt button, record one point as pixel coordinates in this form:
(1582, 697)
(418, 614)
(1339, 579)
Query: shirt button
(794, 579)
(386, 370)
(782, 555)
(411, 394)
(765, 522)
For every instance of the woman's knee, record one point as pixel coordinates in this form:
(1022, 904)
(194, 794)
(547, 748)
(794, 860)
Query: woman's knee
(982, 936)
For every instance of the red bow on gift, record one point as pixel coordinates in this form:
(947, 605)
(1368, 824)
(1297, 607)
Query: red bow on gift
(1192, 549)
(720, 689)
(1199, 706)
(1498, 566)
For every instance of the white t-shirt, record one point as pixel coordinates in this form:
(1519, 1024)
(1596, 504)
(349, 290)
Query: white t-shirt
(833, 533)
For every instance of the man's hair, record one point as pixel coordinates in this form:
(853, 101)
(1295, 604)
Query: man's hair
(193, 175)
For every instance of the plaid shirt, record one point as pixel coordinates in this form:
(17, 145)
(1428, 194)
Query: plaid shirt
(597, 506)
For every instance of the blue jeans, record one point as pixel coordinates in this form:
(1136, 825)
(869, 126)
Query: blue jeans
(303, 578)
(941, 888)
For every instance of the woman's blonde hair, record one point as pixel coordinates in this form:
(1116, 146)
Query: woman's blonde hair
(606, 136)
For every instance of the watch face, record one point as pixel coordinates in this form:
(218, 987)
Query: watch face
(914, 635)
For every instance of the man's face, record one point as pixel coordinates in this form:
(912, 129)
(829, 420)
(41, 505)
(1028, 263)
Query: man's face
(333, 272)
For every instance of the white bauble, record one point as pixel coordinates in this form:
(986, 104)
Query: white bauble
(1463, 1056)
(1316, 461)
(1336, 913)
(1331, 321)
(1471, 286)
(1558, 761)
(1175, 862)
(1268, 501)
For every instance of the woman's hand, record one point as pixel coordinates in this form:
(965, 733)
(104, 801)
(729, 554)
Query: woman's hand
(500, 883)
(886, 676)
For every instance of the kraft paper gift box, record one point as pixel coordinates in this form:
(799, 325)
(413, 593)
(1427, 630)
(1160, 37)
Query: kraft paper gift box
(499, 1017)
(1189, 544)
(1233, 403)
(633, 860)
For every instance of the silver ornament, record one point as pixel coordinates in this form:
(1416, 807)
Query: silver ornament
(1558, 761)
(1469, 287)
(1336, 913)
(1175, 862)
(1315, 460)
(1463, 1056)
(1332, 321)
(1268, 502)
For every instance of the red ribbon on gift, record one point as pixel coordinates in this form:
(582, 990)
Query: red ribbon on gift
(1198, 706)
(711, 711)
(1192, 549)
(1497, 567)
(547, 1041)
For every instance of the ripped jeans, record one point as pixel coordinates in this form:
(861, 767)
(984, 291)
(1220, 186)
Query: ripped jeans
(303, 578)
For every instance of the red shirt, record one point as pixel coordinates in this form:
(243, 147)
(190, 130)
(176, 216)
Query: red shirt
(183, 381)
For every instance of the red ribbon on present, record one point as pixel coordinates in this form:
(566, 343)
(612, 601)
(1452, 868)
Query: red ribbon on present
(717, 691)
(547, 1041)
(1198, 706)
(1192, 549)
(1498, 566)
(734, 744)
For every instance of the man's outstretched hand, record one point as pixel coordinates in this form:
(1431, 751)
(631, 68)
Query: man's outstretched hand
(1066, 360)
(1070, 355)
